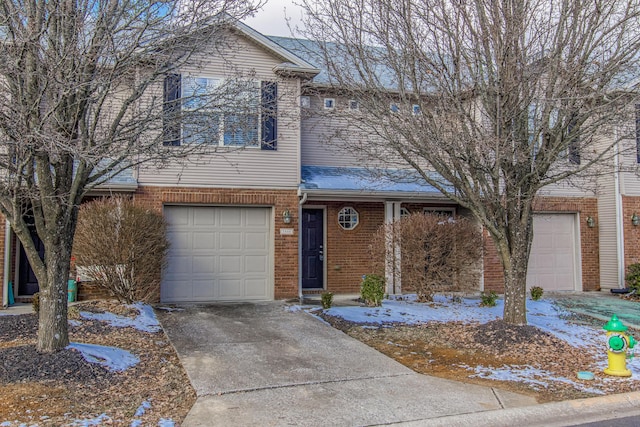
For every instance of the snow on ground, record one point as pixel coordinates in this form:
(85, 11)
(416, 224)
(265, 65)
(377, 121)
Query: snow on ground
(146, 320)
(543, 314)
(113, 358)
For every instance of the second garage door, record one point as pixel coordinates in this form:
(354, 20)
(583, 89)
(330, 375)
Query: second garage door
(554, 257)
(217, 254)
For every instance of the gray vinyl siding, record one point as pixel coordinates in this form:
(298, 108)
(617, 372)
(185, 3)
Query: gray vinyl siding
(608, 233)
(317, 130)
(250, 167)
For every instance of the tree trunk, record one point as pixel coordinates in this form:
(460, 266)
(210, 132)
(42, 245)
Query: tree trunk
(514, 254)
(53, 332)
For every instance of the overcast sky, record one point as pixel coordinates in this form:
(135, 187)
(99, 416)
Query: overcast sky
(271, 19)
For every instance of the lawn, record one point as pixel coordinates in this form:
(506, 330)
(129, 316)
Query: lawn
(459, 340)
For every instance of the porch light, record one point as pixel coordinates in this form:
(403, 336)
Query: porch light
(635, 220)
(286, 216)
(591, 222)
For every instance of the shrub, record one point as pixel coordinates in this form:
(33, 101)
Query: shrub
(437, 255)
(121, 247)
(372, 290)
(488, 299)
(326, 299)
(632, 279)
(536, 292)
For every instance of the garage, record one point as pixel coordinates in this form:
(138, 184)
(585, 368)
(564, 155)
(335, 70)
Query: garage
(217, 254)
(553, 263)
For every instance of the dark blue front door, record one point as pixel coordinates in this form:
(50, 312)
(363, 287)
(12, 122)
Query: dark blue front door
(312, 249)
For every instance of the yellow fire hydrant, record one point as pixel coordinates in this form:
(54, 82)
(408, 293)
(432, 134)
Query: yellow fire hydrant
(617, 344)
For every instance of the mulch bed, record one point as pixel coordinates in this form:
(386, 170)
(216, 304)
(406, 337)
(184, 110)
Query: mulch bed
(62, 388)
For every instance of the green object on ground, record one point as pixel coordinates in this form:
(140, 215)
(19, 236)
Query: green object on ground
(614, 325)
(72, 290)
(11, 299)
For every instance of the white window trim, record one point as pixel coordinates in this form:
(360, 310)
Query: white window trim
(217, 80)
(353, 215)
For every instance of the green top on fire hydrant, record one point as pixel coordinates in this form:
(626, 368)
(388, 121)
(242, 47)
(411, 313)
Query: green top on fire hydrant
(614, 325)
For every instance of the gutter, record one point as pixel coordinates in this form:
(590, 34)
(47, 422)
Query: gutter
(619, 216)
(7, 264)
(325, 194)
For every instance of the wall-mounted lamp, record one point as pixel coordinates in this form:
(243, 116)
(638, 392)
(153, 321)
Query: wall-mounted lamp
(635, 220)
(286, 216)
(591, 222)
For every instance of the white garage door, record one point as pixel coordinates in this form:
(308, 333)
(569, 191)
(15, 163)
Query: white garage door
(554, 257)
(217, 254)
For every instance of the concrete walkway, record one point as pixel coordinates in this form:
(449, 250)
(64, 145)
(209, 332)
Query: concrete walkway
(261, 364)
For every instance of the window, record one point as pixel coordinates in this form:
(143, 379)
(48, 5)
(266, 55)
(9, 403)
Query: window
(444, 212)
(404, 212)
(638, 133)
(348, 218)
(204, 110)
(573, 149)
(305, 102)
(394, 108)
(354, 105)
(416, 109)
(329, 103)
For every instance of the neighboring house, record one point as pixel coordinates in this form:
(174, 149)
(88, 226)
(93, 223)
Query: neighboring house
(288, 215)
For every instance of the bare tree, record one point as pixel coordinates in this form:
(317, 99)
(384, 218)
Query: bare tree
(81, 100)
(498, 98)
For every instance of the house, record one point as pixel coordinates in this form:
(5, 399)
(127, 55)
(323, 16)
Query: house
(288, 215)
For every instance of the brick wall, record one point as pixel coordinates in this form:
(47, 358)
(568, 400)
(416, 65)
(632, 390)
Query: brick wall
(285, 246)
(87, 291)
(347, 255)
(630, 205)
(589, 243)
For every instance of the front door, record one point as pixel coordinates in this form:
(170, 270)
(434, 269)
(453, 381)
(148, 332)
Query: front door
(312, 249)
(28, 283)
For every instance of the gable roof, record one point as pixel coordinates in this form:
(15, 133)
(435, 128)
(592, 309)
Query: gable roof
(293, 63)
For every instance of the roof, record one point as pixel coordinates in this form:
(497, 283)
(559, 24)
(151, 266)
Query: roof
(361, 181)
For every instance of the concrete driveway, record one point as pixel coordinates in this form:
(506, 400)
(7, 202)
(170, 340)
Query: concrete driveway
(264, 364)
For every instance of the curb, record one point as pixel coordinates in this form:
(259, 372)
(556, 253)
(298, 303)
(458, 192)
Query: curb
(565, 413)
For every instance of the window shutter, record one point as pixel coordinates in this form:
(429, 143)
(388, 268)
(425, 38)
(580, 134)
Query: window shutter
(171, 109)
(269, 101)
(574, 144)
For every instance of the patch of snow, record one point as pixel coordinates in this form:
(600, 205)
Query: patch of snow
(73, 322)
(529, 375)
(166, 422)
(293, 308)
(99, 420)
(115, 359)
(142, 408)
(146, 320)
(5, 424)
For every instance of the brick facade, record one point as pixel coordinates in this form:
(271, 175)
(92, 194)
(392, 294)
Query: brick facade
(630, 205)
(285, 246)
(589, 242)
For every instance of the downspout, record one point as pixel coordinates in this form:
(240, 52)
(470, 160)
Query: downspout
(7, 264)
(302, 201)
(619, 215)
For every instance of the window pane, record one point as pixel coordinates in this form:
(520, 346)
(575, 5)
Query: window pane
(201, 128)
(241, 130)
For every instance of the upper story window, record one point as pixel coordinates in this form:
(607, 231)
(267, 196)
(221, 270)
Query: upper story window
(415, 108)
(394, 108)
(354, 105)
(204, 110)
(329, 103)
(348, 218)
